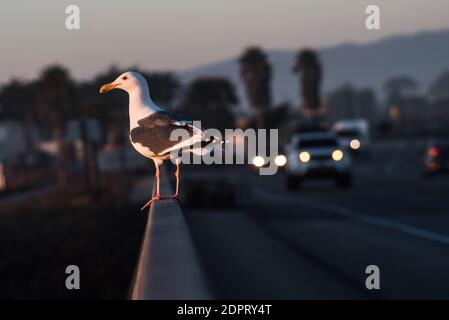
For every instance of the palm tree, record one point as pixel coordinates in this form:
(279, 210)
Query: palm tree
(164, 87)
(307, 63)
(397, 89)
(112, 106)
(110, 111)
(210, 100)
(55, 90)
(88, 106)
(255, 71)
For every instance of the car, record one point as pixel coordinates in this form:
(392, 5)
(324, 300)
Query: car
(436, 158)
(280, 160)
(353, 134)
(314, 155)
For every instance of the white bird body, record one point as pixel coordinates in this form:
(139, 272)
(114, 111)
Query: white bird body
(150, 127)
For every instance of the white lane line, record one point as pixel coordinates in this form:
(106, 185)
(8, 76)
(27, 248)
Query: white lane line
(362, 217)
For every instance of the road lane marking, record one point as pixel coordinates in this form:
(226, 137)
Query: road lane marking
(362, 217)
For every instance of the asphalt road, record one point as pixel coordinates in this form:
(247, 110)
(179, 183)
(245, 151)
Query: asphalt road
(316, 243)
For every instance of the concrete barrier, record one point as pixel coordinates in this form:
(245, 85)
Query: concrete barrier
(168, 267)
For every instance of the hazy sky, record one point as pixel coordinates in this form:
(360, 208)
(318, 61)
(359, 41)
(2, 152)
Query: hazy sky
(179, 34)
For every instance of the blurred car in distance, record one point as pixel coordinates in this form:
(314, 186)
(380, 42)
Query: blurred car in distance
(436, 158)
(314, 155)
(280, 161)
(353, 134)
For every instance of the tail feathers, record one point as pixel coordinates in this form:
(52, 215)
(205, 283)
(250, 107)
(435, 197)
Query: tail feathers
(207, 145)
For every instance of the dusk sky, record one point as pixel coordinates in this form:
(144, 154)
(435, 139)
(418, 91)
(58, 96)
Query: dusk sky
(180, 34)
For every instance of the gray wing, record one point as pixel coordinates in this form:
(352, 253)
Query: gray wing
(154, 131)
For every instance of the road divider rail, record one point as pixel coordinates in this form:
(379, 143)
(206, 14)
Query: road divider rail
(168, 266)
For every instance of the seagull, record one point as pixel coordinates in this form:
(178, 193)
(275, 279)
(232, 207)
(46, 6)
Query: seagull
(150, 128)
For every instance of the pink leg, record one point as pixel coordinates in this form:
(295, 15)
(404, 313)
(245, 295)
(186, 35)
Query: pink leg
(178, 176)
(158, 194)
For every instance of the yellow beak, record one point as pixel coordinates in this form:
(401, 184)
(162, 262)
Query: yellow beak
(108, 87)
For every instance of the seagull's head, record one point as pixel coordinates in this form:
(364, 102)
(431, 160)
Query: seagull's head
(127, 81)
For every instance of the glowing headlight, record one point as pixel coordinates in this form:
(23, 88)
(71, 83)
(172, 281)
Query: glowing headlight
(258, 161)
(337, 155)
(354, 144)
(304, 156)
(280, 160)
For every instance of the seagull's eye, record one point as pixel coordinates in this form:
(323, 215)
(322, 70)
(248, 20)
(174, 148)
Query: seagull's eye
(124, 78)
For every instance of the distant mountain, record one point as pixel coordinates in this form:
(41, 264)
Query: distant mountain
(423, 56)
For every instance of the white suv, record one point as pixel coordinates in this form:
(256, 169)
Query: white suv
(317, 155)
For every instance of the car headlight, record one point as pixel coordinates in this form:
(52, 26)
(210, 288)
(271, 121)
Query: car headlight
(304, 156)
(337, 155)
(280, 160)
(258, 161)
(355, 144)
